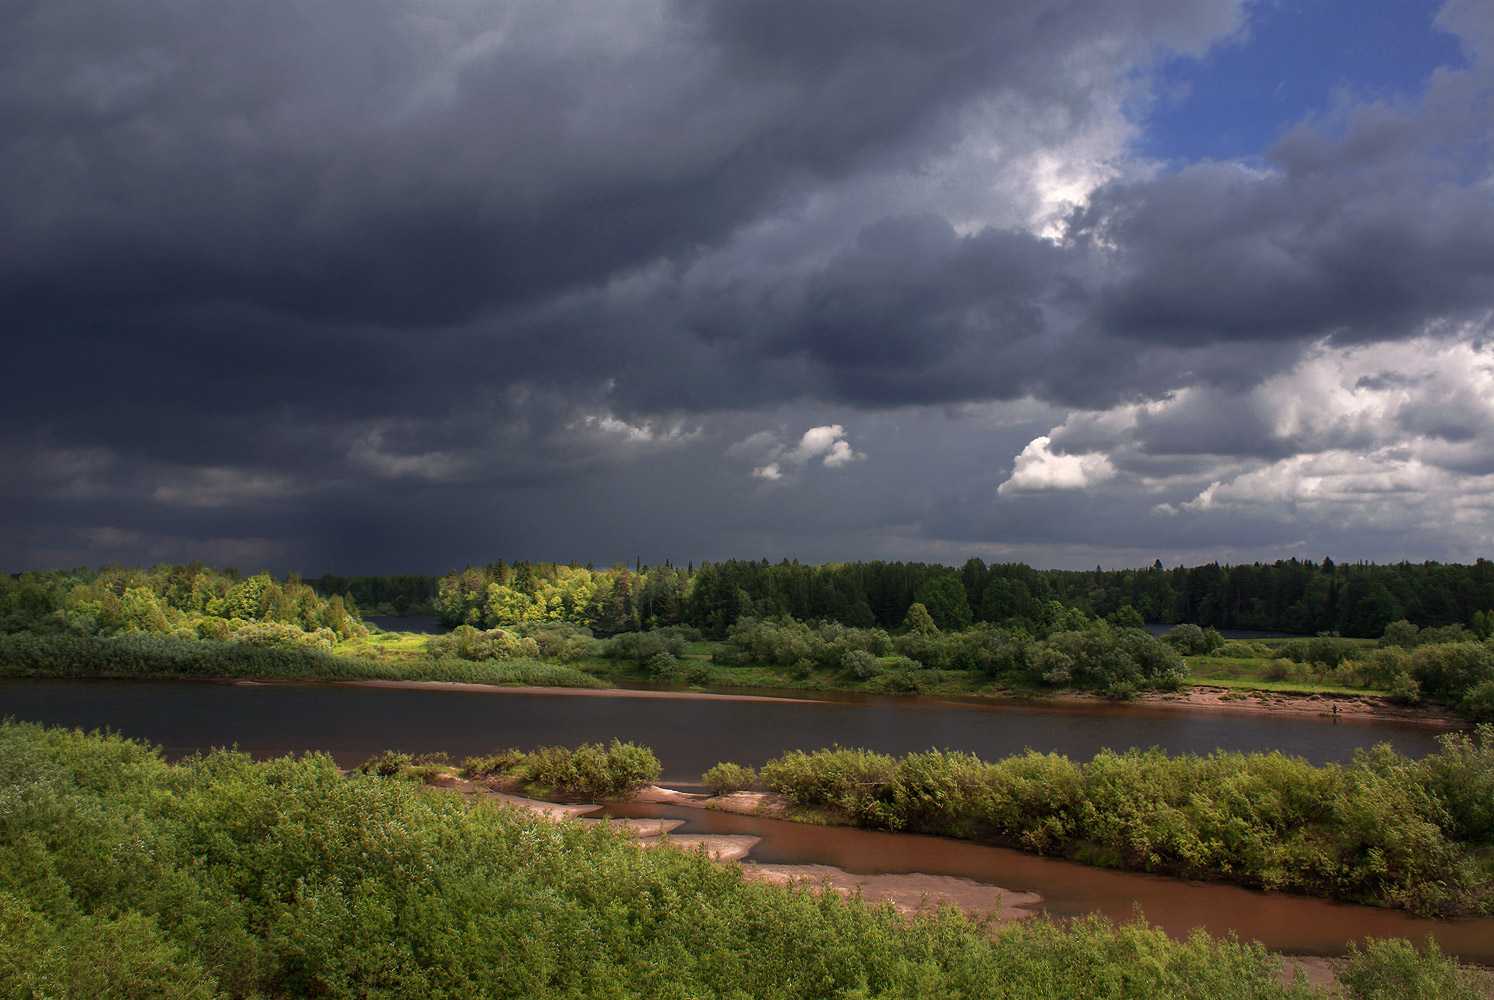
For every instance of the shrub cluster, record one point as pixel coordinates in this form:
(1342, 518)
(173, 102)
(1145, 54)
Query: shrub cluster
(527, 640)
(132, 654)
(138, 654)
(1328, 649)
(789, 643)
(1386, 829)
(1118, 662)
(124, 876)
(1449, 664)
(1093, 655)
(1190, 640)
(468, 643)
(1394, 969)
(589, 771)
(726, 778)
(640, 647)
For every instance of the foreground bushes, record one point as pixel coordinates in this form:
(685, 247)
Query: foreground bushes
(122, 876)
(1386, 829)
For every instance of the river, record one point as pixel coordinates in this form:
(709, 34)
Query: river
(690, 734)
(687, 734)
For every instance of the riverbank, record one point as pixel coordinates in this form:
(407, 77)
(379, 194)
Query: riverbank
(132, 655)
(1370, 708)
(471, 688)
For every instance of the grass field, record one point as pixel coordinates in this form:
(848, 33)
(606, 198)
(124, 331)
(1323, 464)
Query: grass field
(1261, 674)
(387, 646)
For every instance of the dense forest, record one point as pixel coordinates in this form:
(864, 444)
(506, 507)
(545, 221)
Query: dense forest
(187, 602)
(1303, 598)
(1292, 596)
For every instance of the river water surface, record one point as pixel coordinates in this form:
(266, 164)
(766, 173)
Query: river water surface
(690, 734)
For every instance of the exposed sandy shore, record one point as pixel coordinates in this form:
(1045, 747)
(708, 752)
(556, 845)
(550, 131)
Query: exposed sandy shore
(1364, 707)
(907, 892)
(535, 689)
(1367, 706)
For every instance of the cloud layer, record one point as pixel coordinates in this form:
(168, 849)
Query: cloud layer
(386, 286)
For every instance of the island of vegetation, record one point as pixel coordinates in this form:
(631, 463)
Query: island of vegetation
(122, 875)
(1385, 830)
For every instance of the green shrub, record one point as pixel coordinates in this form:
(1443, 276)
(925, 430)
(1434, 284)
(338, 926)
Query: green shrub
(730, 656)
(901, 678)
(591, 770)
(663, 667)
(1394, 969)
(1404, 690)
(1385, 829)
(1241, 650)
(641, 646)
(385, 765)
(1478, 703)
(860, 664)
(726, 778)
(497, 764)
(837, 779)
(467, 643)
(1191, 640)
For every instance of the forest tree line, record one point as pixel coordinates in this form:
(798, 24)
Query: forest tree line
(188, 602)
(1292, 596)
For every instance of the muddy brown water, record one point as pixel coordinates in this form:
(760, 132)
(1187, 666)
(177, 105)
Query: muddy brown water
(689, 736)
(1283, 922)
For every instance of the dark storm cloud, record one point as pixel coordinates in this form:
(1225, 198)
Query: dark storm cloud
(1359, 236)
(280, 275)
(414, 165)
(268, 214)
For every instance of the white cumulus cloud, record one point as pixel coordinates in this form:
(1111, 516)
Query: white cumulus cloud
(1038, 468)
(774, 461)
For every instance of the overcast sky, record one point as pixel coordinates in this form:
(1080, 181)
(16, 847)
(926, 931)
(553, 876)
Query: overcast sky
(398, 285)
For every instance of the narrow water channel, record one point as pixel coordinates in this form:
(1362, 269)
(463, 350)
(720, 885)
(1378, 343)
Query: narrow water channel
(1283, 922)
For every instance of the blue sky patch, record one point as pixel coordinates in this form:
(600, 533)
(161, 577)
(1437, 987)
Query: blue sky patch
(1243, 94)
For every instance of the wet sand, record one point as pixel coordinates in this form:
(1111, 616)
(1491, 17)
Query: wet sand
(908, 893)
